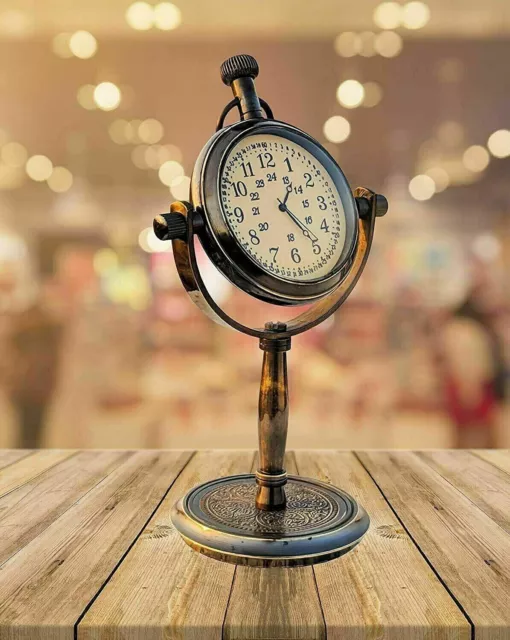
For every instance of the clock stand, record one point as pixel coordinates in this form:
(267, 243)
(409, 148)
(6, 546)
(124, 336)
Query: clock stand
(268, 518)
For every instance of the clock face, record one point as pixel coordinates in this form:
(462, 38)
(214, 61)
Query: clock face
(283, 207)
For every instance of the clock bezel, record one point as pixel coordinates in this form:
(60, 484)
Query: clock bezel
(219, 240)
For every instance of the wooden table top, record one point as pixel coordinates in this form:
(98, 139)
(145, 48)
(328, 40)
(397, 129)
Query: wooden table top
(87, 550)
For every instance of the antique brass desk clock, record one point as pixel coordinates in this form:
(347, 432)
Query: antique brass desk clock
(276, 216)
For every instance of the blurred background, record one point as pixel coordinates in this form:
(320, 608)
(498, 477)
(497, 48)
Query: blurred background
(104, 108)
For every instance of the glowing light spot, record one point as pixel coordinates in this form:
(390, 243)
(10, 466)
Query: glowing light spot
(39, 168)
(367, 49)
(151, 244)
(107, 96)
(60, 180)
(13, 154)
(450, 133)
(415, 15)
(337, 129)
(422, 187)
(388, 44)
(170, 152)
(138, 156)
(180, 188)
(487, 247)
(140, 16)
(476, 158)
(167, 16)
(350, 94)
(170, 170)
(150, 131)
(499, 143)
(388, 15)
(105, 260)
(440, 177)
(373, 94)
(85, 97)
(118, 131)
(83, 44)
(347, 44)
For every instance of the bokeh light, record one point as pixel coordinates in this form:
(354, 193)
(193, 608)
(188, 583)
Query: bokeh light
(415, 15)
(487, 247)
(180, 188)
(138, 156)
(476, 158)
(151, 244)
(85, 97)
(337, 129)
(367, 48)
(388, 15)
(440, 177)
(60, 45)
(499, 143)
(150, 131)
(13, 154)
(350, 94)
(83, 44)
(167, 16)
(373, 94)
(118, 131)
(170, 170)
(107, 96)
(60, 180)
(388, 44)
(140, 16)
(39, 168)
(347, 44)
(422, 187)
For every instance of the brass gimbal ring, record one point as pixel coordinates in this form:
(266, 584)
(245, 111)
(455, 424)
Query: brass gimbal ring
(189, 273)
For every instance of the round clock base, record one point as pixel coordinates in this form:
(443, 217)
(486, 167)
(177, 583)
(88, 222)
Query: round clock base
(220, 520)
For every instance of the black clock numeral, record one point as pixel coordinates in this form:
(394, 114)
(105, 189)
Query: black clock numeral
(324, 225)
(239, 189)
(289, 166)
(266, 160)
(306, 204)
(286, 180)
(298, 189)
(254, 237)
(316, 249)
(271, 177)
(322, 203)
(255, 211)
(263, 226)
(291, 237)
(275, 249)
(309, 180)
(238, 212)
(294, 254)
(248, 170)
(259, 184)
(308, 219)
(254, 195)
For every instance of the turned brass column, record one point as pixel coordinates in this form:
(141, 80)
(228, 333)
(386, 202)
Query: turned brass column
(273, 422)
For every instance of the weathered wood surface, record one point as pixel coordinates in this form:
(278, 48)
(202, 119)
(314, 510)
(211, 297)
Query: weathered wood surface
(88, 551)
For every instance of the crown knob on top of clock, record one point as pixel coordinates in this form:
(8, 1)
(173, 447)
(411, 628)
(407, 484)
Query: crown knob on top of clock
(238, 72)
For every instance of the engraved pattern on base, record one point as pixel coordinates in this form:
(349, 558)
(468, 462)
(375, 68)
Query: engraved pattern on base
(233, 505)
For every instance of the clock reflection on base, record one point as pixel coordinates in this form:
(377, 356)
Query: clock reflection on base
(221, 520)
(277, 217)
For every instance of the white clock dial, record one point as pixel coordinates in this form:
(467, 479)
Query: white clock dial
(283, 207)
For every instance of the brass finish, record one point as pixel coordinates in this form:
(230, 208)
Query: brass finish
(273, 422)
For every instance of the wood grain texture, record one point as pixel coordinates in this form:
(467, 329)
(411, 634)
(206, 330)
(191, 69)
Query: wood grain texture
(484, 484)
(28, 510)
(498, 457)
(47, 585)
(468, 550)
(8, 456)
(384, 588)
(274, 603)
(163, 589)
(29, 467)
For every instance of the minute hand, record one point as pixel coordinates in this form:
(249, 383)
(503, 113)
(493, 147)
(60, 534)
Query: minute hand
(306, 231)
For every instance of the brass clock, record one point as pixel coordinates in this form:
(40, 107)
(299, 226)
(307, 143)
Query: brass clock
(276, 216)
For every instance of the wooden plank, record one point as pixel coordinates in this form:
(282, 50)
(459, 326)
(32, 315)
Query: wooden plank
(498, 457)
(32, 507)
(47, 585)
(274, 603)
(8, 456)
(468, 550)
(163, 589)
(383, 588)
(484, 484)
(30, 467)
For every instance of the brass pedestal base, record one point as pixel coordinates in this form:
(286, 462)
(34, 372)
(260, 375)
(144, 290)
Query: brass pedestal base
(319, 523)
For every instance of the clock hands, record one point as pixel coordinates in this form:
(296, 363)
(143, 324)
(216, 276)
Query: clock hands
(283, 207)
